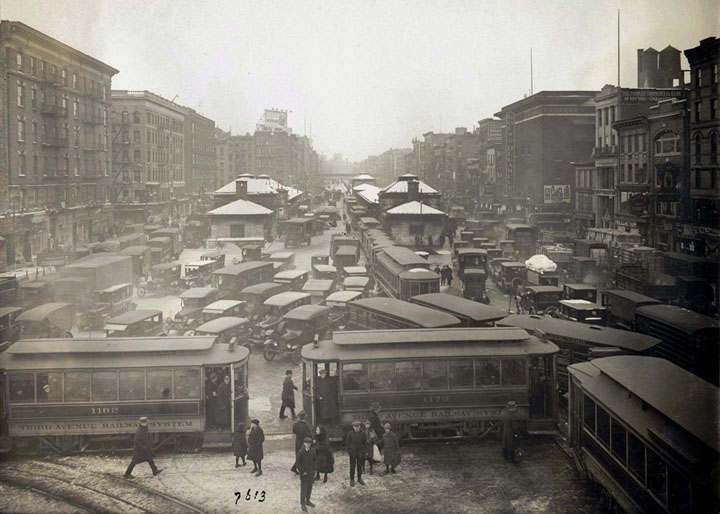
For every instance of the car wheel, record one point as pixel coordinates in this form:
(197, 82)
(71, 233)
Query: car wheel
(269, 355)
(68, 335)
(141, 292)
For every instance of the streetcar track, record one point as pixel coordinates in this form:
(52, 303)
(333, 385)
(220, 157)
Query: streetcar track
(47, 494)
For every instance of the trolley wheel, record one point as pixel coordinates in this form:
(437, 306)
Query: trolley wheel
(141, 292)
(269, 355)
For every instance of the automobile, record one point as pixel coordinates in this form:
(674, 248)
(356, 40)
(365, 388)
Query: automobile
(161, 248)
(510, 276)
(198, 273)
(50, 320)
(471, 258)
(226, 330)
(284, 261)
(319, 259)
(220, 308)
(324, 272)
(582, 311)
(493, 253)
(193, 301)
(254, 297)
(508, 247)
(215, 255)
(318, 289)
(139, 323)
(298, 231)
(355, 271)
(108, 303)
(36, 292)
(580, 292)
(293, 279)
(9, 327)
(252, 253)
(356, 283)
(276, 306)
(142, 259)
(337, 302)
(542, 299)
(165, 277)
(346, 255)
(297, 328)
(494, 268)
(473, 285)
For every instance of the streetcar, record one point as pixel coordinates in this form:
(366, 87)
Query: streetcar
(389, 313)
(472, 314)
(432, 383)
(87, 394)
(402, 274)
(643, 431)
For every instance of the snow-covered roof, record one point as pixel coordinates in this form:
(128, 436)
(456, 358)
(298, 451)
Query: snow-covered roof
(401, 186)
(240, 208)
(364, 176)
(414, 207)
(361, 187)
(369, 193)
(259, 186)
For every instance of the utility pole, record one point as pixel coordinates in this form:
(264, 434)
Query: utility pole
(531, 72)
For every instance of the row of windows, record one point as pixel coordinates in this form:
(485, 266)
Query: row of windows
(47, 71)
(713, 113)
(439, 374)
(704, 77)
(51, 196)
(98, 386)
(48, 102)
(698, 148)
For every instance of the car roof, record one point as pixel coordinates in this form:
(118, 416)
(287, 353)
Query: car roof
(222, 323)
(582, 305)
(512, 264)
(262, 288)
(580, 287)
(544, 289)
(41, 311)
(285, 298)
(356, 281)
(130, 317)
(222, 305)
(236, 269)
(198, 292)
(291, 274)
(306, 312)
(317, 284)
(343, 296)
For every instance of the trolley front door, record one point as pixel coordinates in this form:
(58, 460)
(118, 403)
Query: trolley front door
(238, 393)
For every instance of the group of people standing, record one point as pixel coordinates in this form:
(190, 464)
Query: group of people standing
(217, 401)
(446, 275)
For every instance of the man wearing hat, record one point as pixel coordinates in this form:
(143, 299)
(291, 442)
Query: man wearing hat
(288, 395)
(142, 449)
(375, 424)
(302, 431)
(306, 464)
(356, 445)
(326, 396)
(255, 446)
(508, 431)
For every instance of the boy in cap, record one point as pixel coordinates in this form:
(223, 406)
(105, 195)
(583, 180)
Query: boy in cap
(306, 464)
(302, 431)
(142, 449)
(356, 445)
(288, 395)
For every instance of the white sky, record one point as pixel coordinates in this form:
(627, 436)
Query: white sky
(368, 75)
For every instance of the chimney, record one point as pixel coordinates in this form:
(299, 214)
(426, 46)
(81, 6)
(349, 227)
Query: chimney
(413, 190)
(241, 189)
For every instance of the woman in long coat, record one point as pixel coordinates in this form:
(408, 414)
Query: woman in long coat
(222, 404)
(391, 450)
(240, 444)
(255, 449)
(325, 457)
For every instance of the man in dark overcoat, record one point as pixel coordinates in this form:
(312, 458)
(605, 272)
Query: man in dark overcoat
(222, 403)
(255, 446)
(288, 395)
(306, 464)
(375, 424)
(301, 430)
(508, 431)
(356, 445)
(210, 399)
(326, 394)
(142, 449)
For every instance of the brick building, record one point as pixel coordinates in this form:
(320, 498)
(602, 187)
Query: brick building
(199, 159)
(55, 146)
(484, 176)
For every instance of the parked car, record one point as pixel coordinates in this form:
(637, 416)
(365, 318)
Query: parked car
(297, 328)
(50, 320)
(223, 308)
(542, 299)
(139, 323)
(226, 330)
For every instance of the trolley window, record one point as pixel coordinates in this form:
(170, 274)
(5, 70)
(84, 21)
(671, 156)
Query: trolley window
(355, 376)
(49, 387)
(131, 385)
(636, 456)
(382, 376)
(77, 386)
(603, 426)
(513, 372)
(104, 386)
(159, 384)
(435, 374)
(589, 413)
(187, 383)
(656, 475)
(619, 441)
(487, 372)
(461, 374)
(22, 387)
(408, 375)
(239, 380)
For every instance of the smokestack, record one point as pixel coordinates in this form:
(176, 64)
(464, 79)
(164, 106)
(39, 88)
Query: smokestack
(413, 190)
(241, 189)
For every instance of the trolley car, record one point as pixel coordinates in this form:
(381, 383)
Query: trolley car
(389, 313)
(433, 383)
(644, 431)
(87, 394)
(402, 274)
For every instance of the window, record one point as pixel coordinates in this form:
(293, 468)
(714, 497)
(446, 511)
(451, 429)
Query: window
(382, 376)
(407, 375)
(74, 81)
(713, 109)
(187, 383)
(636, 456)
(619, 441)
(49, 387)
(136, 136)
(77, 386)
(434, 374)
(513, 372)
(131, 385)
(667, 143)
(237, 230)
(104, 386)
(680, 497)
(713, 149)
(698, 111)
(76, 108)
(136, 117)
(22, 164)
(698, 149)
(22, 387)
(461, 374)
(715, 74)
(19, 61)
(603, 425)
(35, 164)
(32, 65)
(487, 372)
(355, 376)
(20, 94)
(656, 475)
(159, 384)
(698, 77)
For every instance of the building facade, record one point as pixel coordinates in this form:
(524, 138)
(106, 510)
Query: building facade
(55, 145)
(484, 176)
(199, 158)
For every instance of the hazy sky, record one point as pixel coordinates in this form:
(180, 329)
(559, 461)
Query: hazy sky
(368, 75)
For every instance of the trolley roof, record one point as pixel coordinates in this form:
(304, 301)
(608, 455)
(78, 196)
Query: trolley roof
(128, 352)
(593, 334)
(40, 312)
(404, 256)
(419, 274)
(428, 343)
(423, 316)
(687, 320)
(631, 296)
(460, 306)
(677, 394)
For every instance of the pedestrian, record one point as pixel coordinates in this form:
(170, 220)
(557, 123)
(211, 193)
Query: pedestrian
(430, 241)
(437, 270)
(375, 424)
(142, 449)
(391, 451)
(306, 463)
(508, 431)
(325, 457)
(441, 239)
(288, 395)
(255, 446)
(348, 227)
(301, 430)
(326, 394)
(372, 439)
(417, 240)
(449, 277)
(222, 404)
(451, 237)
(356, 448)
(210, 398)
(240, 444)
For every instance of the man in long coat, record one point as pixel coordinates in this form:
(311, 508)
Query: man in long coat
(301, 430)
(326, 394)
(508, 431)
(210, 399)
(356, 445)
(306, 463)
(222, 403)
(288, 395)
(375, 424)
(255, 448)
(142, 449)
